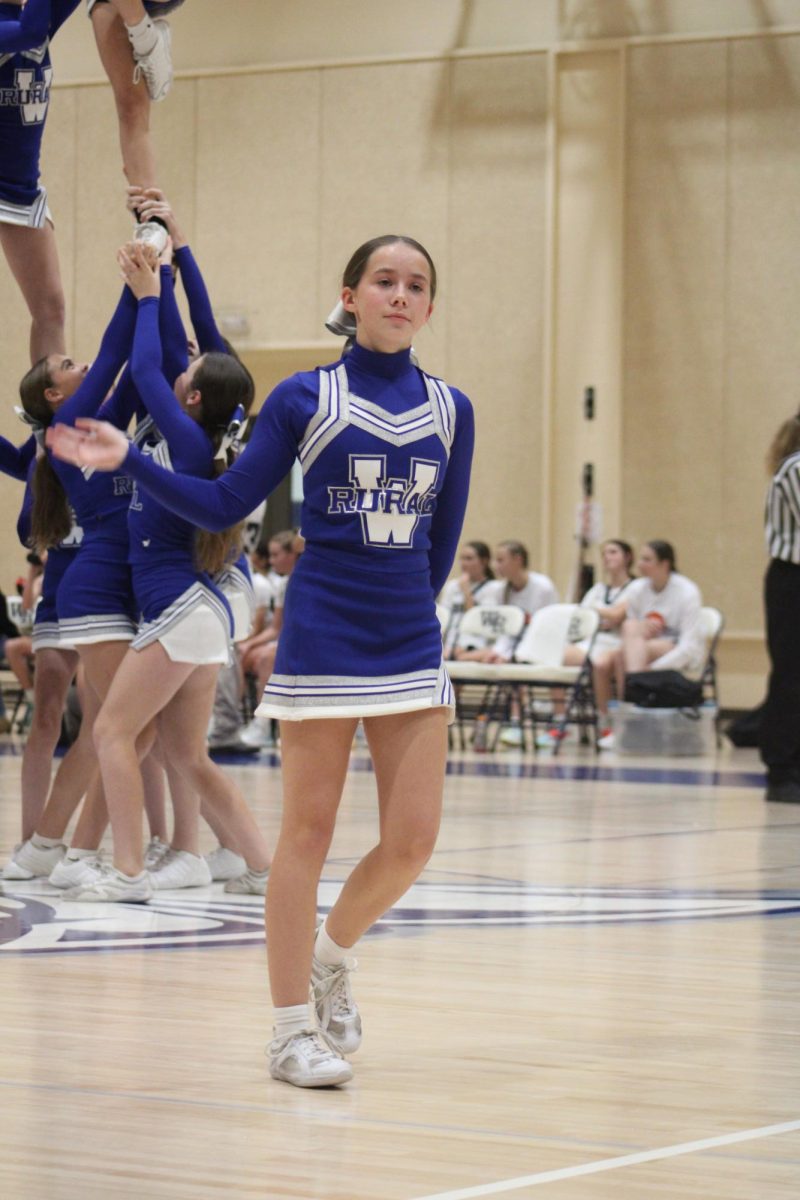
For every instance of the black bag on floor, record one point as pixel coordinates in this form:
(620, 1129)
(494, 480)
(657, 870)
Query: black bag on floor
(662, 689)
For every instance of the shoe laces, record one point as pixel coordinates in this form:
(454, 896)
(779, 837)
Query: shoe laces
(311, 1044)
(335, 985)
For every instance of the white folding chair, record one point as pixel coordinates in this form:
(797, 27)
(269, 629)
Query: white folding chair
(484, 623)
(711, 623)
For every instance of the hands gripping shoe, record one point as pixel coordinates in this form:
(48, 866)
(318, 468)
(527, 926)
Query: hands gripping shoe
(337, 1013)
(307, 1059)
(150, 233)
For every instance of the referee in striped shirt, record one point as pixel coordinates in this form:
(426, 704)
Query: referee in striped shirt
(780, 722)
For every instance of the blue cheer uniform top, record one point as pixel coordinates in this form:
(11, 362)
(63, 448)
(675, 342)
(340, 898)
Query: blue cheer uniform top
(25, 80)
(385, 451)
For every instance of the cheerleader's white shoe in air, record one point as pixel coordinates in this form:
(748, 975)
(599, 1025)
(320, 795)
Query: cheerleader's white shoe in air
(150, 233)
(332, 997)
(251, 883)
(225, 864)
(307, 1059)
(155, 67)
(71, 872)
(112, 887)
(29, 861)
(180, 869)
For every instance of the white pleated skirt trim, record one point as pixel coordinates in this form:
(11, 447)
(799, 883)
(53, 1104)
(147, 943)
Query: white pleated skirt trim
(87, 631)
(238, 591)
(48, 635)
(195, 628)
(319, 697)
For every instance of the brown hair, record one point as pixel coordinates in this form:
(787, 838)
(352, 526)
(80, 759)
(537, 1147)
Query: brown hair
(51, 515)
(516, 548)
(358, 261)
(785, 442)
(224, 383)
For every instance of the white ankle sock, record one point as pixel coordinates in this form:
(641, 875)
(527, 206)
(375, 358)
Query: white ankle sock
(143, 36)
(43, 843)
(294, 1018)
(326, 950)
(74, 854)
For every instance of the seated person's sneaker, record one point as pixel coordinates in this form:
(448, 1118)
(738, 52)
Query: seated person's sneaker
(336, 1009)
(307, 1059)
(155, 67)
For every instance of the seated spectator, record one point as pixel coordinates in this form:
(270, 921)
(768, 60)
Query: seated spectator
(474, 586)
(526, 589)
(610, 599)
(661, 629)
(258, 652)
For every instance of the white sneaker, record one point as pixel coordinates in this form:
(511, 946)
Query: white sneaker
(29, 861)
(251, 883)
(512, 736)
(336, 1009)
(71, 872)
(258, 733)
(180, 869)
(225, 864)
(307, 1059)
(156, 66)
(606, 742)
(156, 849)
(150, 233)
(113, 887)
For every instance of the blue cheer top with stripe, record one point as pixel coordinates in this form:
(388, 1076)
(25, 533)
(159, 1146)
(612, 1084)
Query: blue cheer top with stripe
(386, 452)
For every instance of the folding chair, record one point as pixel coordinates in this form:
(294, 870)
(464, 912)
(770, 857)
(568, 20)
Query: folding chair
(486, 623)
(712, 623)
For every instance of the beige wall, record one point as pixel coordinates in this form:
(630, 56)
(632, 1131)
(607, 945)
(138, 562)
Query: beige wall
(621, 214)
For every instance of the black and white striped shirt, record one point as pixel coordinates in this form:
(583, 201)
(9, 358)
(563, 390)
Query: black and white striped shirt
(782, 521)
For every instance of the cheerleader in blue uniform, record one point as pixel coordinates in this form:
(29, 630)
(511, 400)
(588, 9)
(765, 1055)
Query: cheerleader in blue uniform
(386, 453)
(170, 671)
(26, 228)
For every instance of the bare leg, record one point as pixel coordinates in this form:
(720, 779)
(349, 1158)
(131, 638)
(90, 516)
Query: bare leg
(145, 682)
(54, 672)
(409, 752)
(132, 100)
(315, 757)
(18, 654)
(182, 727)
(33, 259)
(154, 796)
(74, 776)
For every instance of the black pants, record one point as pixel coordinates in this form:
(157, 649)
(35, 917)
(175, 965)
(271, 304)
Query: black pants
(780, 724)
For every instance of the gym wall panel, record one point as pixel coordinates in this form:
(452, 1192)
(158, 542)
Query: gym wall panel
(762, 352)
(674, 326)
(257, 199)
(384, 169)
(494, 286)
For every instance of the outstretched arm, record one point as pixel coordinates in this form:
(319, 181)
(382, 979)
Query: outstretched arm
(113, 352)
(15, 460)
(211, 504)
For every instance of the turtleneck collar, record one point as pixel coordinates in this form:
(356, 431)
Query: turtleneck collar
(373, 362)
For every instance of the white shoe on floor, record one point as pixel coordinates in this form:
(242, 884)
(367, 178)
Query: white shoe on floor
(155, 67)
(251, 883)
(225, 864)
(30, 861)
(332, 997)
(113, 887)
(156, 849)
(606, 742)
(258, 733)
(71, 872)
(512, 736)
(180, 869)
(307, 1059)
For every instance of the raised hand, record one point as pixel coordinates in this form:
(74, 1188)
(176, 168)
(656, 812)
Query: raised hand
(89, 443)
(139, 265)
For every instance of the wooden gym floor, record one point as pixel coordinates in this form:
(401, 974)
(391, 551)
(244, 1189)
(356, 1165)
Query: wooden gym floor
(593, 992)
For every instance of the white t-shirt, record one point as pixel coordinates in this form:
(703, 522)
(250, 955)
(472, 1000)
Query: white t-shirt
(538, 592)
(264, 590)
(602, 595)
(678, 604)
(452, 598)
